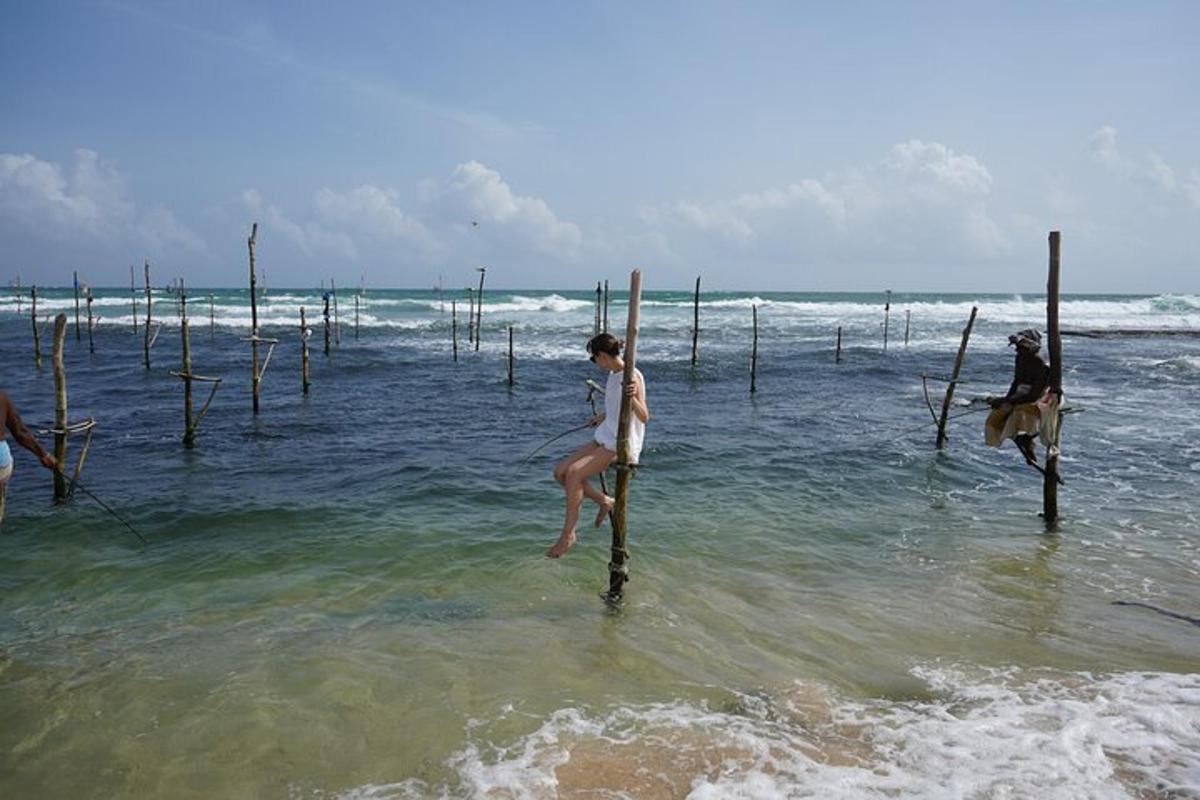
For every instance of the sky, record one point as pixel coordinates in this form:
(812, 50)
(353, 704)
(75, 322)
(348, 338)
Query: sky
(794, 146)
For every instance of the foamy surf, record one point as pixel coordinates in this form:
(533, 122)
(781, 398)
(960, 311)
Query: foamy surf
(984, 734)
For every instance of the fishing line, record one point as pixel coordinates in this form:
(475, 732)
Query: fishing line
(77, 485)
(550, 441)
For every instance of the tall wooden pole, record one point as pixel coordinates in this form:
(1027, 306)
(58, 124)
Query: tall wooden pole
(470, 316)
(326, 323)
(887, 307)
(454, 327)
(337, 320)
(37, 337)
(754, 353)
(837, 354)
(907, 319)
(91, 338)
(1050, 484)
(189, 434)
(696, 321)
(303, 351)
(596, 328)
(133, 297)
(149, 304)
(60, 409)
(605, 330)
(255, 377)
(18, 293)
(479, 309)
(356, 316)
(618, 569)
(958, 361)
(510, 356)
(78, 335)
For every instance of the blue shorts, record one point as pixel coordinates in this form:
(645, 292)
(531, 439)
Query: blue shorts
(6, 462)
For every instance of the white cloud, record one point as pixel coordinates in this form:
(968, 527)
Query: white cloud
(85, 205)
(480, 194)
(372, 211)
(921, 198)
(1152, 169)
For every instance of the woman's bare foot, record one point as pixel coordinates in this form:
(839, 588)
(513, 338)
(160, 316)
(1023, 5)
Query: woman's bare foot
(605, 509)
(562, 545)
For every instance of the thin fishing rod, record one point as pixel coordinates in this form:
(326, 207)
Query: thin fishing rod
(77, 485)
(550, 441)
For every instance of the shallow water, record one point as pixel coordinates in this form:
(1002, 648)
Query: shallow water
(346, 596)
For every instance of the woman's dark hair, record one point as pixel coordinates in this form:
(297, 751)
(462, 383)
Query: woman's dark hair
(604, 343)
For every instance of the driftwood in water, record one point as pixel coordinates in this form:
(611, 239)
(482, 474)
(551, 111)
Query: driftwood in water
(149, 306)
(91, 324)
(78, 335)
(37, 337)
(754, 353)
(1102, 333)
(454, 328)
(60, 408)
(303, 351)
(618, 569)
(696, 321)
(962, 351)
(479, 308)
(837, 353)
(1050, 483)
(954, 379)
(255, 372)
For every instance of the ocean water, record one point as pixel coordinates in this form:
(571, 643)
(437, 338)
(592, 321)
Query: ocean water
(347, 595)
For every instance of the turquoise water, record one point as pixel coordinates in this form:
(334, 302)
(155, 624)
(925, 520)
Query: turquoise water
(346, 596)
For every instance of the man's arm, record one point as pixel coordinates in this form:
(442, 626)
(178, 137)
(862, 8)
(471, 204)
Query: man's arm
(23, 435)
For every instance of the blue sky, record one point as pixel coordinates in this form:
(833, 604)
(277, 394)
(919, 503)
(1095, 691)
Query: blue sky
(853, 146)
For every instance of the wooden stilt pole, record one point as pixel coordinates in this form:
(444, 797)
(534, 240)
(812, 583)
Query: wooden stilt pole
(618, 569)
(256, 376)
(605, 330)
(510, 356)
(91, 324)
(696, 321)
(837, 354)
(479, 308)
(133, 297)
(596, 328)
(78, 335)
(149, 304)
(189, 433)
(356, 316)
(212, 318)
(754, 353)
(1050, 485)
(454, 328)
(470, 316)
(303, 351)
(337, 320)
(60, 409)
(326, 323)
(17, 289)
(37, 336)
(887, 307)
(958, 362)
(907, 319)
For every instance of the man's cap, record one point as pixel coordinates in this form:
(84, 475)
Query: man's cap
(1029, 335)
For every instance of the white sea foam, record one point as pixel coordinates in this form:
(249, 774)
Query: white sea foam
(988, 734)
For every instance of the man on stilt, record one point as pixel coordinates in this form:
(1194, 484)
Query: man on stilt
(1030, 409)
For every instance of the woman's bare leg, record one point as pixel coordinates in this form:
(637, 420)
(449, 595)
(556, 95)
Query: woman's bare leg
(575, 478)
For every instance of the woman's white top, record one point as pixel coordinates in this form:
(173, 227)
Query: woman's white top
(606, 433)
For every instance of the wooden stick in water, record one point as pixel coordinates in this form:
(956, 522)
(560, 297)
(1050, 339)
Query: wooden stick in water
(470, 316)
(60, 409)
(837, 354)
(91, 324)
(212, 318)
(596, 327)
(1050, 484)
(356, 316)
(37, 337)
(696, 321)
(189, 434)
(618, 569)
(255, 375)
(303, 351)
(958, 361)
(754, 353)
(149, 304)
(605, 307)
(907, 319)
(479, 308)
(887, 307)
(326, 323)
(337, 320)
(454, 328)
(78, 335)
(133, 297)
(510, 356)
